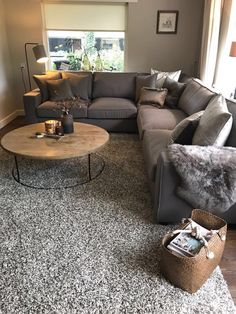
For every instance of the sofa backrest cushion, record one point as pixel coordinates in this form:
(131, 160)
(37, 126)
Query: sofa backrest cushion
(232, 136)
(114, 84)
(41, 81)
(80, 82)
(195, 97)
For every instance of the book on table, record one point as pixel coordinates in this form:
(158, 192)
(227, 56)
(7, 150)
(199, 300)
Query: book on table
(185, 244)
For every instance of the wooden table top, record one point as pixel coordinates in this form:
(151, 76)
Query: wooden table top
(85, 140)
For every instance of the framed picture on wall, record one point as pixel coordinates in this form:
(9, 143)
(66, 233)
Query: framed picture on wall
(167, 22)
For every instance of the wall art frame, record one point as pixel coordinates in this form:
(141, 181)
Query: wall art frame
(167, 21)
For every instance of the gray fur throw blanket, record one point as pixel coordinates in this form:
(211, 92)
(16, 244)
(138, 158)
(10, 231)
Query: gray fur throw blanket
(208, 175)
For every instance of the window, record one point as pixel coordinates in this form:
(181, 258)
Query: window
(86, 36)
(77, 50)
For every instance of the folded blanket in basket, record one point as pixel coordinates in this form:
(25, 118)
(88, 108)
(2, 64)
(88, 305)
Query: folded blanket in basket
(208, 175)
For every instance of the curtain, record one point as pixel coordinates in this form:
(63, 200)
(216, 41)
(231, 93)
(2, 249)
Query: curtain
(219, 22)
(224, 78)
(210, 40)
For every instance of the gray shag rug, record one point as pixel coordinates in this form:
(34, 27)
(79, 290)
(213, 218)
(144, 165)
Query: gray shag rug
(91, 249)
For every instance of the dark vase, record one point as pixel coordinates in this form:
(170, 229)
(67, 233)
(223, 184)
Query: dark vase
(67, 123)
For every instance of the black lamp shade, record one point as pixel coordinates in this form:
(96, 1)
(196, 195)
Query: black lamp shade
(40, 54)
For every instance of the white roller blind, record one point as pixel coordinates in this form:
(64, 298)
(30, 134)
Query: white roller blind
(86, 17)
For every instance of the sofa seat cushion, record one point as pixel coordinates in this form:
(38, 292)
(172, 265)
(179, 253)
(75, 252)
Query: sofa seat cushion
(49, 109)
(150, 118)
(154, 142)
(112, 108)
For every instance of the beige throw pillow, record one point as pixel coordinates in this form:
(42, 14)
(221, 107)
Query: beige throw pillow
(153, 96)
(215, 124)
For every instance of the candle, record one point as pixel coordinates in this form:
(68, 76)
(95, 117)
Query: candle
(50, 126)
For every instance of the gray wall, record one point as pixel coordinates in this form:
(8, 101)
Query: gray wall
(24, 24)
(7, 103)
(147, 49)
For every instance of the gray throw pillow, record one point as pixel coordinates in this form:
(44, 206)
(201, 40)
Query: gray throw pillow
(161, 76)
(144, 81)
(184, 131)
(215, 124)
(41, 81)
(80, 84)
(59, 90)
(152, 96)
(175, 90)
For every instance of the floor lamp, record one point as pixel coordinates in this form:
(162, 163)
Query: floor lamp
(233, 54)
(40, 56)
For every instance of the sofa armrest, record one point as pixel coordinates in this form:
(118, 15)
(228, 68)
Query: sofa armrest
(168, 206)
(31, 100)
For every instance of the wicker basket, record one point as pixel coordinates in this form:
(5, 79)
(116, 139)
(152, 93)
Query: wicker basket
(190, 273)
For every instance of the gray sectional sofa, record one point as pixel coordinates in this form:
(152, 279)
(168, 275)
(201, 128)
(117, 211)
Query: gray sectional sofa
(155, 127)
(111, 102)
(113, 105)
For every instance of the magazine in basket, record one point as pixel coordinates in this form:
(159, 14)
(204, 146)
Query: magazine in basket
(185, 244)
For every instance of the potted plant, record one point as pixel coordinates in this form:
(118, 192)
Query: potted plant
(66, 106)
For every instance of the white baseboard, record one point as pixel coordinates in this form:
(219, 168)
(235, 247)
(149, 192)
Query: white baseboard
(11, 116)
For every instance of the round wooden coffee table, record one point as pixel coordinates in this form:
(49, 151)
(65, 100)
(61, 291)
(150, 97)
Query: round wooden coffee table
(85, 140)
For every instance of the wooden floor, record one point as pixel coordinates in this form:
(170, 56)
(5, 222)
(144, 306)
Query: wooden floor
(228, 263)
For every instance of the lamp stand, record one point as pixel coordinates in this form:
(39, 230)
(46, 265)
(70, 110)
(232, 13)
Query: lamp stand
(27, 62)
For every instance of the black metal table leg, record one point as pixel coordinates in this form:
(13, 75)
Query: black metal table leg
(17, 169)
(89, 167)
(16, 176)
